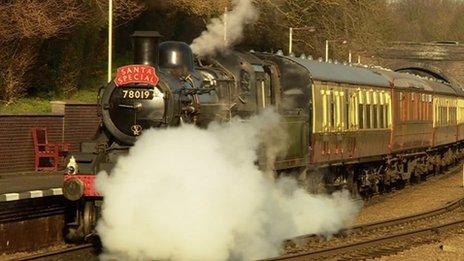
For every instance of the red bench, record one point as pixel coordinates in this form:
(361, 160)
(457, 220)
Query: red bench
(47, 154)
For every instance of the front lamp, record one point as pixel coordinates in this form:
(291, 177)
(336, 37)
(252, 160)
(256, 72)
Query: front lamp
(71, 168)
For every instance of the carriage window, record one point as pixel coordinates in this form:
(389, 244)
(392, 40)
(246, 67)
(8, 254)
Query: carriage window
(381, 117)
(376, 110)
(411, 107)
(369, 110)
(403, 106)
(387, 115)
(419, 110)
(361, 116)
(354, 112)
(340, 107)
(324, 109)
(382, 110)
(347, 110)
(442, 112)
(453, 115)
(368, 116)
(331, 109)
(447, 113)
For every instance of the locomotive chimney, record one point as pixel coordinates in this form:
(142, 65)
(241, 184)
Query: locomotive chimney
(146, 47)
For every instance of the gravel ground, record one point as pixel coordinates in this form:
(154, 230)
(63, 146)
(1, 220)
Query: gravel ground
(24, 254)
(79, 255)
(450, 247)
(428, 195)
(434, 193)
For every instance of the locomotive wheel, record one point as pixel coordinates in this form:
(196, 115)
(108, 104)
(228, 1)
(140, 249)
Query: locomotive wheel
(85, 220)
(74, 233)
(88, 218)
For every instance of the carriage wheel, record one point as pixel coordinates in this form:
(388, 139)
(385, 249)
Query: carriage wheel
(353, 185)
(313, 181)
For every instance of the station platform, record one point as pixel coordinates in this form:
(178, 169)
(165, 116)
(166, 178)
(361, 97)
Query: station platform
(25, 185)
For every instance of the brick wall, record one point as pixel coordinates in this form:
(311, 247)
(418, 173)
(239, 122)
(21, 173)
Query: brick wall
(80, 123)
(70, 122)
(447, 58)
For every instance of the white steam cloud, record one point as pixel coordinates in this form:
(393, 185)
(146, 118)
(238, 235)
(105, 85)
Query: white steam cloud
(196, 194)
(229, 25)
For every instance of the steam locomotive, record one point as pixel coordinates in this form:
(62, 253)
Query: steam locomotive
(367, 129)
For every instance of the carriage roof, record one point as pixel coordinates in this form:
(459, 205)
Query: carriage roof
(372, 76)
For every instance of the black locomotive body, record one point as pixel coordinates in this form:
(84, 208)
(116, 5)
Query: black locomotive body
(367, 129)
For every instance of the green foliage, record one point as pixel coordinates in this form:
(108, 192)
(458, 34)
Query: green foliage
(72, 64)
(427, 20)
(43, 105)
(89, 96)
(39, 102)
(25, 105)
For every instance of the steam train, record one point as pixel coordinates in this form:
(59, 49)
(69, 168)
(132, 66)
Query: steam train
(367, 129)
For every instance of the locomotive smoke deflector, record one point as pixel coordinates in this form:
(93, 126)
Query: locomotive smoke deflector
(146, 47)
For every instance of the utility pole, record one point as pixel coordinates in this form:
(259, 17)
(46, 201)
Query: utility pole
(290, 35)
(290, 40)
(110, 39)
(225, 27)
(326, 50)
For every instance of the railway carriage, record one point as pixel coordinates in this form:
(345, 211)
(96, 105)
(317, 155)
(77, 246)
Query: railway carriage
(363, 128)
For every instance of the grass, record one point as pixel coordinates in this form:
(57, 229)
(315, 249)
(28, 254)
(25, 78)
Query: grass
(41, 102)
(43, 105)
(89, 96)
(38, 105)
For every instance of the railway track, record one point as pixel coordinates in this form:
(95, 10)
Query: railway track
(377, 239)
(29, 224)
(62, 253)
(377, 247)
(21, 210)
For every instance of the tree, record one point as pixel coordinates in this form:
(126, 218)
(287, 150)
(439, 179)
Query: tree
(427, 20)
(26, 24)
(353, 22)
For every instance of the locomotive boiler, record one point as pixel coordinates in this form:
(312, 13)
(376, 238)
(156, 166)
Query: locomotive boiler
(367, 129)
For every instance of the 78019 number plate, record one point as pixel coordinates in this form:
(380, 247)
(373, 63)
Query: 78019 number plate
(137, 94)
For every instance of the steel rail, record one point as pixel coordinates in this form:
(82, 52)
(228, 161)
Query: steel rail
(375, 246)
(387, 223)
(31, 209)
(57, 252)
